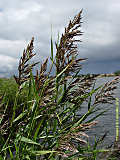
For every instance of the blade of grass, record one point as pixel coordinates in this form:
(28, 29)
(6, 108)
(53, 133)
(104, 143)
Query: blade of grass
(27, 140)
(11, 154)
(52, 50)
(38, 128)
(20, 116)
(38, 153)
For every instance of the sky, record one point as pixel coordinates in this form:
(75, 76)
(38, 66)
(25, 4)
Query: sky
(20, 20)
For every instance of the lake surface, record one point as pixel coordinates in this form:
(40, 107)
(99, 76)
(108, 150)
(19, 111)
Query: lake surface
(106, 123)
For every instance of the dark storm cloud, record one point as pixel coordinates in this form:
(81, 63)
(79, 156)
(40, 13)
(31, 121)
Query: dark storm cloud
(20, 20)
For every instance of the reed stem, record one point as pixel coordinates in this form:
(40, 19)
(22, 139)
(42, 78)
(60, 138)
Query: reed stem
(117, 119)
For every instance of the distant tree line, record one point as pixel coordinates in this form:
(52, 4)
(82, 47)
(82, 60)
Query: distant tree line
(117, 72)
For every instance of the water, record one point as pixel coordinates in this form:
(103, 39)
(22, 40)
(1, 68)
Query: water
(106, 123)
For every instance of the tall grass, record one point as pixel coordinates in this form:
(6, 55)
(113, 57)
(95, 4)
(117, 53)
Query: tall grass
(44, 120)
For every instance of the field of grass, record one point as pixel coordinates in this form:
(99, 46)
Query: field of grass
(39, 113)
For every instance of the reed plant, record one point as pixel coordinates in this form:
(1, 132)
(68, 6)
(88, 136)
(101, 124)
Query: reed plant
(47, 122)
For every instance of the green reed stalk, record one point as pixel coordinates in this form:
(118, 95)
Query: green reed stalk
(117, 119)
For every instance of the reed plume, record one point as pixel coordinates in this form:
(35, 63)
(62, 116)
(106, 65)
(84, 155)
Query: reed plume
(25, 67)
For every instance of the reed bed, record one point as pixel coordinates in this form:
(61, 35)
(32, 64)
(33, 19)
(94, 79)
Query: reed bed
(44, 119)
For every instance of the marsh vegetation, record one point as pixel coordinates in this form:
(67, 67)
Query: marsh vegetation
(39, 112)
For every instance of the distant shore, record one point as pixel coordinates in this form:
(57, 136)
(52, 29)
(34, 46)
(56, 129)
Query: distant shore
(89, 74)
(104, 75)
(107, 75)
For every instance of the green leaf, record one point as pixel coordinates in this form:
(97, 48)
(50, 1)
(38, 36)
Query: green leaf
(11, 155)
(51, 49)
(117, 119)
(4, 149)
(62, 71)
(37, 153)
(83, 117)
(46, 137)
(1, 158)
(20, 116)
(38, 128)
(59, 119)
(98, 115)
(27, 157)
(26, 140)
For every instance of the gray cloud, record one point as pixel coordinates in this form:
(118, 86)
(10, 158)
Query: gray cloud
(20, 20)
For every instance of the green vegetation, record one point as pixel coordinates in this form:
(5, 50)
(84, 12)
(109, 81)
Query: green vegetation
(117, 73)
(40, 115)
